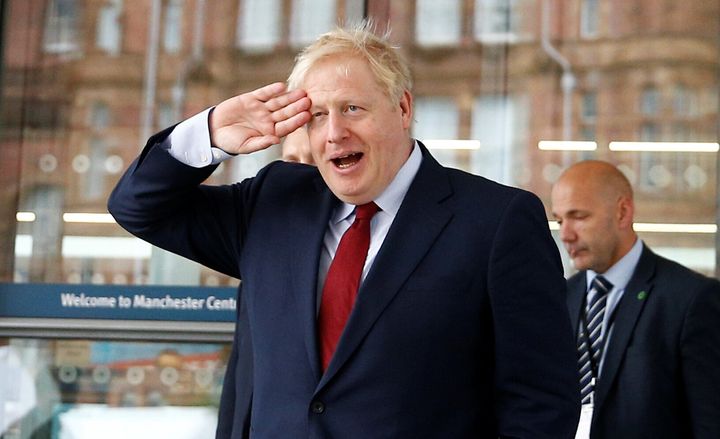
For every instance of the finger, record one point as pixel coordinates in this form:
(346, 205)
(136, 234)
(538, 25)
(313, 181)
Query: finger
(285, 99)
(258, 143)
(291, 110)
(269, 91)
(287, 126)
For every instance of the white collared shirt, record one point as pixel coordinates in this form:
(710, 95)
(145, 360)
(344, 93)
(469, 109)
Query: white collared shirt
(618, 275)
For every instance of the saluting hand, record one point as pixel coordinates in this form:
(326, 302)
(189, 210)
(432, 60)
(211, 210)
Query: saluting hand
(258, 119)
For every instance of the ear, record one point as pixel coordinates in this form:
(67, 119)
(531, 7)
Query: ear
(406, 108)
(625, 212)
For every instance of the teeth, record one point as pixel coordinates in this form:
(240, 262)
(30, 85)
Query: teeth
(347, 161)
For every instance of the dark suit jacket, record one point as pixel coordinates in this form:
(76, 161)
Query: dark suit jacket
(459, 329)
(661, 375)
(236, 398)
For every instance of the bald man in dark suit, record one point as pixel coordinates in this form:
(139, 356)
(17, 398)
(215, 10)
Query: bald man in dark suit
(655, 374)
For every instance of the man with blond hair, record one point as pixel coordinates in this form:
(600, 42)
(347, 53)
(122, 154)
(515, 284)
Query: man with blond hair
(386, 296)
(647, 329)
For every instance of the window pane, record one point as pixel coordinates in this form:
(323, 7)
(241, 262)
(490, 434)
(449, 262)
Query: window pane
(500, 124)
(172, 30)
(437, 23)
(60, 27)
(109, 33)
(310, 18)
(497, 21)
(589, 18)
(258, 24)
(437, 118)
(650, 101)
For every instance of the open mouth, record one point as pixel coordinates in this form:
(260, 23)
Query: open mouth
(347, 161)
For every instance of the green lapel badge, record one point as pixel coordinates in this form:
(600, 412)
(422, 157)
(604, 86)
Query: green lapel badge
(641, 295)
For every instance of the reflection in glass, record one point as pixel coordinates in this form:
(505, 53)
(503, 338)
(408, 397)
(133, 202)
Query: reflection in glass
(85, 389)
(438, 23)
(258, 26)
(309, 18)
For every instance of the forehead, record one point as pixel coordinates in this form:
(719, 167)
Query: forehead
(570, 196)
(340, 74)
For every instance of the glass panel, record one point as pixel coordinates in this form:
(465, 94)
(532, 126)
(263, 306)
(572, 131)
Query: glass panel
(504, 74)
(83, 389)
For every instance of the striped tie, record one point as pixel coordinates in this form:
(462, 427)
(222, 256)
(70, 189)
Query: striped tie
(590, 340)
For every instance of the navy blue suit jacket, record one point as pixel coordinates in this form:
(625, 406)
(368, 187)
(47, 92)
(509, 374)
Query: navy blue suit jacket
(661, 375)
(459, 330)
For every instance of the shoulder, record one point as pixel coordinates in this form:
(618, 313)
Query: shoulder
(493, 196)
(673, 273)
(680, 285)
(285, 176)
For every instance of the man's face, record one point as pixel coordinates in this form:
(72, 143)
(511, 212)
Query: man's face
(588, 225)
(359, 139)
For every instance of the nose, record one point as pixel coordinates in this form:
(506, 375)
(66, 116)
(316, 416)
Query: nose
(567, 234)
(337, 127)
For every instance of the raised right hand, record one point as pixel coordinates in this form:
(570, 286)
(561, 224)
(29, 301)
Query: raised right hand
(258, 119)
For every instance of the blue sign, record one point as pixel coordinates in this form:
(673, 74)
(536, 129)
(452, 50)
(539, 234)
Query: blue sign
(118, 302)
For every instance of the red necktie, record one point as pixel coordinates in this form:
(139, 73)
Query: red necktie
(343, 280)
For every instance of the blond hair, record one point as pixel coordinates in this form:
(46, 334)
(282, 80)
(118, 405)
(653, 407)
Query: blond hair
(385, 61)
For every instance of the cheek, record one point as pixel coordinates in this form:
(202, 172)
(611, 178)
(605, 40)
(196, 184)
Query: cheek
(317, 144)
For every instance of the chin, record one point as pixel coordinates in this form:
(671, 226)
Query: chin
(579, 265)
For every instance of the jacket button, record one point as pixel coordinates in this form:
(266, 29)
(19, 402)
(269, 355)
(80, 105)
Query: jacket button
(317, 407)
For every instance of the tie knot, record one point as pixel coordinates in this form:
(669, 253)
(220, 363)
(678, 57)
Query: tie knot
(366, 211)
(602, 285)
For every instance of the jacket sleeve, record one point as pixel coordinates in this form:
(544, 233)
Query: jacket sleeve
(537, 387)
(164, 202)
(700, 351)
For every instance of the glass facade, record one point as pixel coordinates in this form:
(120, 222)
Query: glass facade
(512, 90)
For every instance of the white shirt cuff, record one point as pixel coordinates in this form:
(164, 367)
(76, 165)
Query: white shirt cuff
(190, 142)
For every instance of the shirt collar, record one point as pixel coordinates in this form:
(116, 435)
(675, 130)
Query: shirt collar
(619, 274)
(391, 198)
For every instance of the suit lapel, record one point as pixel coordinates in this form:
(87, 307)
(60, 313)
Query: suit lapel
(415, 228)
(308, 236)
(626, 316)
